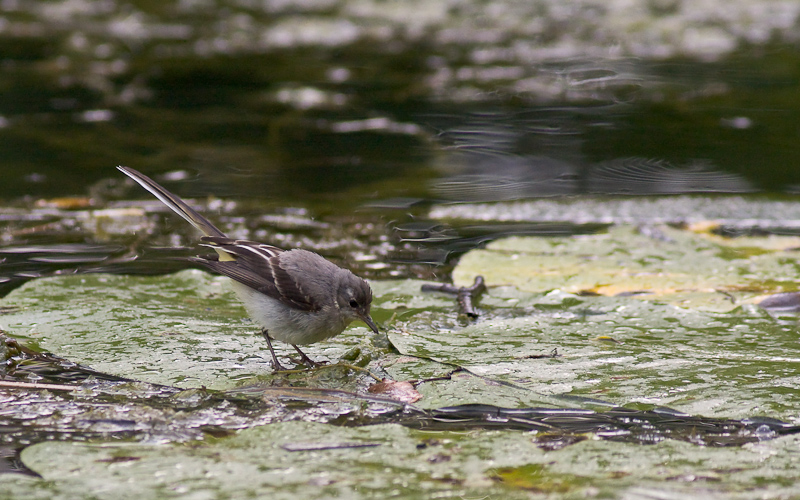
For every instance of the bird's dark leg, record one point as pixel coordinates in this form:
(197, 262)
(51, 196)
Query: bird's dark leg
(305, 359)
(275, 365)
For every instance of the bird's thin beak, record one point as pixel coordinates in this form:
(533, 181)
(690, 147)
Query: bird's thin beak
(366, 318)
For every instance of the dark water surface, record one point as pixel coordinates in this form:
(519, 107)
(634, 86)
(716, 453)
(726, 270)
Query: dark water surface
(355, 115)
(332, 105)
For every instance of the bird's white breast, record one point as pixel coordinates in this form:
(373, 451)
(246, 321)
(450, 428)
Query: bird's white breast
(287, 324)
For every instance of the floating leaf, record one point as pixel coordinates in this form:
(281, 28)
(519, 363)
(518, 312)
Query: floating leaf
(186, 329)
(681, 267)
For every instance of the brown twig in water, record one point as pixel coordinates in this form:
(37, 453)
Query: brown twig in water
(30, 385)
(465, 294)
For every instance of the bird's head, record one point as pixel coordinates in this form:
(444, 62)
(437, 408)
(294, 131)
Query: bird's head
(354, 298)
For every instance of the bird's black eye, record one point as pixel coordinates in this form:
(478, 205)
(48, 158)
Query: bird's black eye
(353, 304)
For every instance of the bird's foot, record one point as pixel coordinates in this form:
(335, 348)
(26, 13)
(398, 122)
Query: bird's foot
(305, 360)
(277, 367)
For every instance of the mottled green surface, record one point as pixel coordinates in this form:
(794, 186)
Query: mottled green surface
(695, 270)
(626, 350)
(187, 330)
(405, 464)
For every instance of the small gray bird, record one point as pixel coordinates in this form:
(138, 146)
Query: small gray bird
(296, 296)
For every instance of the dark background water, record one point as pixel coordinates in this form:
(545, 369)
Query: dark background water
(217, 119)
(358, 115)
(339, 103)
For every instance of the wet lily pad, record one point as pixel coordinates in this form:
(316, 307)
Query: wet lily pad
(402, 463)
(621, 350)
(526, 349)
(681, 267)
(256, 463)
(186, 329)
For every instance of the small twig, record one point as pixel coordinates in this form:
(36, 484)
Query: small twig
(729, 295)
(465, 294)
(326, 446)
(448, 376)
(31, 385)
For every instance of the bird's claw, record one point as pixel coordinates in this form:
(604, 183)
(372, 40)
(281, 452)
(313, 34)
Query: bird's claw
(307, 361)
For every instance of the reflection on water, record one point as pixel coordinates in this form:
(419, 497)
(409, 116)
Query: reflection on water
(494, 177)
(335, 126)
(350, 103)
(644, 176)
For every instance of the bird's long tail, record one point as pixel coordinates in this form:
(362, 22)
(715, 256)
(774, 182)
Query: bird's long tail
(176, 204)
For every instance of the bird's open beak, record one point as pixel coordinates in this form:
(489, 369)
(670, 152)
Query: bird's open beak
(366, 318)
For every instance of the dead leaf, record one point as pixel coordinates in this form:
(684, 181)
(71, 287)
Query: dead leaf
(401, 391)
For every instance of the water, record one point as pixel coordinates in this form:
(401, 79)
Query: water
(336, 104)
(338, 110)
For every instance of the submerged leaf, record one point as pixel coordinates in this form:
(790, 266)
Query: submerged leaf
(401, 391)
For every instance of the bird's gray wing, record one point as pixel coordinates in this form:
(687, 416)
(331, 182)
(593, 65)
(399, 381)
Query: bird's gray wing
(258, 266)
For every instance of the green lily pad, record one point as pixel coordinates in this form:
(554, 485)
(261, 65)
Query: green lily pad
(621, 350)
(526, 349)
(186, 329)
(402, 463)
(681, 267)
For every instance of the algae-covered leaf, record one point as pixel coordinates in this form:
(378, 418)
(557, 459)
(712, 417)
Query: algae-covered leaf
(732, 364)
(530, 347)
(400, 463)
(186, 329)
(267, 462)
(682, 267)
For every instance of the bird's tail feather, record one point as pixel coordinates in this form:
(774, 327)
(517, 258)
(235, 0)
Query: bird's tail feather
(176, 204)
